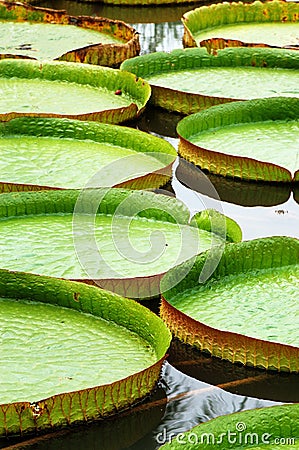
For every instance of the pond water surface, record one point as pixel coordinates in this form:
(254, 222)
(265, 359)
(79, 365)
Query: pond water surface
(194, 387)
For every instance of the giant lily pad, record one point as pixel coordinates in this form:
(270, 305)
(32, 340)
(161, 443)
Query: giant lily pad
(117, 238)
(266, 24)
(190, 80)
(62, 89)
(43, 33)
(246, 311)
(253, 140)
(272, 428)
(38, 153)
(72, 352)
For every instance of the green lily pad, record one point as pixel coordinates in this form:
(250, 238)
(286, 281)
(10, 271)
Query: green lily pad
(255, 284)
(63, 89)
(257, 429)
(39, 153)
(264, 24)
(190, 80)
(120, 239)
(70, 355)
(43, 33)
(253, 140)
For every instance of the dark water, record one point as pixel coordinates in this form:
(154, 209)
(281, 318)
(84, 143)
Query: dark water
(194, 387)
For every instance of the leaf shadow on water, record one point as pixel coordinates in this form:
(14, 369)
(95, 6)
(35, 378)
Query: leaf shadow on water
(182, 400)
(235, 378)
(243, 193)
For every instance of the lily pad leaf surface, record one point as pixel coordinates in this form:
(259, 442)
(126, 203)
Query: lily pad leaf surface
(256, 284)
(190, 80)
(43, 33)
(256, 429)
(61, 89)
(70, 355)
(63, 153)
(267, 24)
(253, 140)
(125, 238)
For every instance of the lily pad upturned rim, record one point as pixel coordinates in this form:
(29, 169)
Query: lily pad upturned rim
(98, 76)
(250, 111)
(262, 253)
(197, 58)
(110, 55)
(93, 131)
(94, 402)
(224, 13)
(16, 204)
(260, 426)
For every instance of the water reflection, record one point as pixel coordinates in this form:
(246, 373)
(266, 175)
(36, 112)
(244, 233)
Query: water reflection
(159, 122)
(233, 191)
(255, 221)
(155, 37)
(235, 378)
(190, 402)
(129, 14)
(160, 29)
(261, 209)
